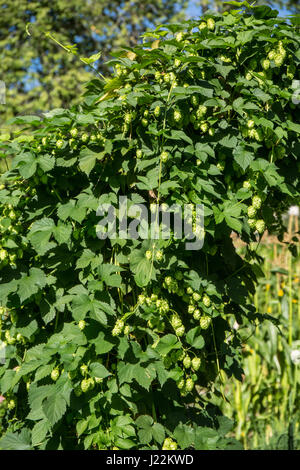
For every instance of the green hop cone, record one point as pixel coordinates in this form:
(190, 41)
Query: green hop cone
(164, 156)
(252, 223)
(195, 100)
(59, 144)
(11, 404)
(180, 331)
(81, 324)
(157, 111)
(159, 255)
(126, 330)
(83, 369)
(176, 321)
(85, 385)
(74, 132)
(181, 384)
(118, 328)
(204, 322)
(246, 184)
(167, 443)
(256, 202)
(251, 212)
(173, 446)
(177, 116)
(187, 362)
(271, 55)
(201, 111)
(204, 127)
(128, 118)
(179, 36)
(206, 300)
(148, 254)
(3, 254)
(211, 24)
(189, 385)
(265, 64)
(157, 75)
(84, 137)
(196, 363)
(278, 60)
(55, 374)
(197, 314)
(260, 226)
(191, 309)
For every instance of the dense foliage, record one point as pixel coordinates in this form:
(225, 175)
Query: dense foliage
(118, 343)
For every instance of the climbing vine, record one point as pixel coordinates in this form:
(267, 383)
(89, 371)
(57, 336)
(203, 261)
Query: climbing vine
(121, 342)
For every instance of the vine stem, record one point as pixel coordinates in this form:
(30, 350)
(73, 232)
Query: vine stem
(49, 35)
(159, 177)
(217, 361)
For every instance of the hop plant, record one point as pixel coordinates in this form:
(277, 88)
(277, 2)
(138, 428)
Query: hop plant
(256, 202)
(247, 185)
(206, 300)
(189, 384)
(55, 374)
(157, 111)
(180, 331)
(81, 324)
(202, 25)
(85, 385)
(74, 132)
(197, 314)
(251, 211)
(118, 328)
(176, 321)
(187, 362)
(177, 116)
(260, 226)
(164, 156)
(169, 444)
(59, 144)
(252, 223)
(211, 24)
(204, 322)
(196, 363)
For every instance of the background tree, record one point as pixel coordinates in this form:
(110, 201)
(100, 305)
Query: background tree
(39, 75)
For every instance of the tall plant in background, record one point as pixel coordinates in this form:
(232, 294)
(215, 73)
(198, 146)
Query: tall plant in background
(121, 343)
(40, 76)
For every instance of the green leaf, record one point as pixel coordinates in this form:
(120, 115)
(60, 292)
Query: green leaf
(88, 158)
(194, 338)
(166, 344)
(184, 435)
(16, 441)
(242, 157)
(54, 408)
(39, 432)
(98, 370)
